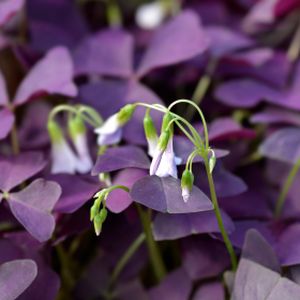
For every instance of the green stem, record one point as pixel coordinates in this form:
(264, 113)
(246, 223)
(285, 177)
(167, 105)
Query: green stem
(284, 191)
(214, 200)
(202, 87)
(15, 140)
(126, 258)
(114, 15)
(155, 256)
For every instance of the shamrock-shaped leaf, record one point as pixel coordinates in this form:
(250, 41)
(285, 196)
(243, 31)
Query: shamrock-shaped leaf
(164, 195)
(51, 75)
(15, 277)
(32, 207)
(120, 158)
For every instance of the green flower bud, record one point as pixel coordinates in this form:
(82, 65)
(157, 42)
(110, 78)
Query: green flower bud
(187, 179)
(103, 214)
(149, 128)
(163, 140)
(98, 224)
(76, 126)
(166, 120)
(54, 131)
(212, 161)
(93, 212)
(125, 113)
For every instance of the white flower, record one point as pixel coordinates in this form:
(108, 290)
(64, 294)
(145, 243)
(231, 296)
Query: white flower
(84, 161)
(64, 159)
(186, 193)
(152, 145)
(150, 16)
(167, 164)
(110, 132)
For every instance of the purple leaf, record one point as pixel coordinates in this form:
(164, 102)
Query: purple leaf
(288, 246)
(180, 39)
(51, 75)
(164, 195)
(283, 145)
(108, 52)
(15, 277)
(75, 192)
(224, 41)
(174, 226)
(244, 93)
(257, 249)
(6, 122)
(213, 290)
(15, 170)
(32, 207)
(119, 200)
(176, 286)
(204, 257)
(248, 93)
(253, 281)
(8, 8)
(274, 115)
(4, 100)
(120, 158)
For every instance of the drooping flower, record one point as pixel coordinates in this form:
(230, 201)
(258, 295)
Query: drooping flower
(151, 134)
(78, 134)
(187, 181)
(64, 159)
(111, 131)
(159, 151)
(167, 165)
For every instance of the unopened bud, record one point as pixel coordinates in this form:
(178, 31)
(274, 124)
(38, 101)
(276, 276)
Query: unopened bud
(54, 131)
(187, 181)
(212, 161)
(98, 224)
(166, 120)
(149, 128)
(163, 140)
(76, 126)
(125, 113)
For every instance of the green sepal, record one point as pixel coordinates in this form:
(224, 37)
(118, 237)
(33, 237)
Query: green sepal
(98, 224)
(166, 120)
(212, 162)
(149, 128)
(76, 126)
(54, 131)
(103, 214)
(187, 179)
(163, 140)
(125, 113)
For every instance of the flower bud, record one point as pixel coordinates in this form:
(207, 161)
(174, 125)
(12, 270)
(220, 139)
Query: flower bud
(166, 120)
(163, 140)
(151, 134)
(103, 214)
(125, 113)
(187, 181)
(149, 128)
(212, 161)
(98, 224)
(55, 132)
(76, 127)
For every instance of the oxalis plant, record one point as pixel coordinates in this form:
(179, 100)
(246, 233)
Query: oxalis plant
(163, 165)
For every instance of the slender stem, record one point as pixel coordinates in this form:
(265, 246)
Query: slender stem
(202, 87)
(286, 186)
(114, 15)
(126, 258)
(155, 256)
(15, 140)
(214, 200)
